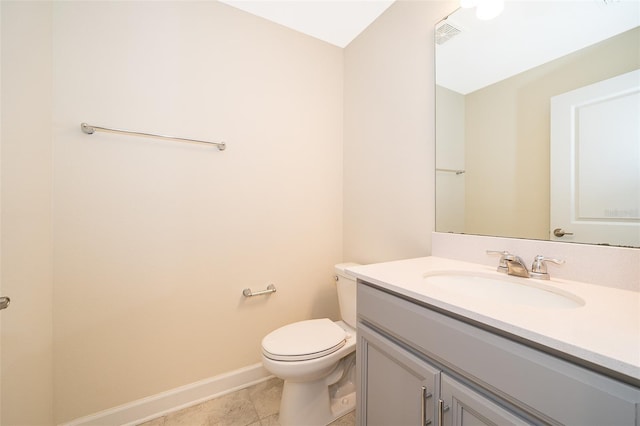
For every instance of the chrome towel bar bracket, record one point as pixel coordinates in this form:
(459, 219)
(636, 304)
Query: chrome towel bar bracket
(248, 293)
(89, 129)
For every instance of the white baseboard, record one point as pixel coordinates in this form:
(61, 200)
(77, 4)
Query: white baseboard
(175, 399)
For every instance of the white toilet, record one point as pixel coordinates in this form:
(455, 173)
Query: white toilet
(316, 359)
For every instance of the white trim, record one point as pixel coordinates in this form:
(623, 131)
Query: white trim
(154, 406)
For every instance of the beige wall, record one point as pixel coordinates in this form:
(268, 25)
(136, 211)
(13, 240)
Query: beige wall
(154, 241)
(389, 134)
(507, 137)
(26, 245)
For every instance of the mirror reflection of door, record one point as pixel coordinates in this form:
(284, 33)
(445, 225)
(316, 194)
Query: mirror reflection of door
(595, 162)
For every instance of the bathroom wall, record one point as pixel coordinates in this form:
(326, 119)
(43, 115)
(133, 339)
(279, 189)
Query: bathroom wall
(389, 134)
(153, 241)
(26, 189)
(517, 109)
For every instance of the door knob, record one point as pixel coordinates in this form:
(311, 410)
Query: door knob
(4, 303)
(559, 232)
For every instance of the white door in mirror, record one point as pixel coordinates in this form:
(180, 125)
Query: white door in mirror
(595, 163)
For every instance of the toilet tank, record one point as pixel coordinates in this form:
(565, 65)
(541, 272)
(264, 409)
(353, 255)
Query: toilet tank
(346, 285)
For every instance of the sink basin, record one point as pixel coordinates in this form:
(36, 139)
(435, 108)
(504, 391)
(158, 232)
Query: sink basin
(502, 289)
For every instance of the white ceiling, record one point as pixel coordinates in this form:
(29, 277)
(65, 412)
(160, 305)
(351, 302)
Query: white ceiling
(335, 21)
(528, 33)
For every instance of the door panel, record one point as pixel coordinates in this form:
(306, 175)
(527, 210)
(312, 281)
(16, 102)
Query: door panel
(595, 162)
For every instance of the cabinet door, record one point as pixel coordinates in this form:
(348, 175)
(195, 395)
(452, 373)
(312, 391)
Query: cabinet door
(396, 387)
(462, 406)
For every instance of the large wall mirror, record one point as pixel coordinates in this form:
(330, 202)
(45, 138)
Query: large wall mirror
(538, 122)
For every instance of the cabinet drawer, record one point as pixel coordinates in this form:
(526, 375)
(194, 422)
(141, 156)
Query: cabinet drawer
(549, 388)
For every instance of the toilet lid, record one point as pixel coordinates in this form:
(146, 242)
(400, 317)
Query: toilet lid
(304, 340)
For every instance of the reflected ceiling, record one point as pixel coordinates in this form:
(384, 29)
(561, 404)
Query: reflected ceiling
(498, 49)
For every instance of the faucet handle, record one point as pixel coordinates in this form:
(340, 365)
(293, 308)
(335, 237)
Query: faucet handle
(504, 256)
(539, 266)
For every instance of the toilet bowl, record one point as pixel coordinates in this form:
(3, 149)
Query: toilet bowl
(316, 360)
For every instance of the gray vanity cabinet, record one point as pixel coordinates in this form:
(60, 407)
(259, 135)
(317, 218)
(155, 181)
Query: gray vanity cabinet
(419, 366)
(400, 387)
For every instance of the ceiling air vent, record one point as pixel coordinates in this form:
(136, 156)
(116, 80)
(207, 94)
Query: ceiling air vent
(445, 31)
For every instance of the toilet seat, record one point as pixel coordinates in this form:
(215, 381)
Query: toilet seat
(304, 340)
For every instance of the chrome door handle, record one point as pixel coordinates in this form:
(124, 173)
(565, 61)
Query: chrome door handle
(4, 303)
(559, 232)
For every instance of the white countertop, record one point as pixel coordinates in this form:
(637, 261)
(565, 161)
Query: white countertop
(604, 331)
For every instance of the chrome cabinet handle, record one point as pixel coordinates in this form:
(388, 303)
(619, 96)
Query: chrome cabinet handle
(441, 409)
(4, 303)
(423, 407)
(559, 232)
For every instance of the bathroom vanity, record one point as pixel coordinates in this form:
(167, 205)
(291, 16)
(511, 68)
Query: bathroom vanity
(435, 352)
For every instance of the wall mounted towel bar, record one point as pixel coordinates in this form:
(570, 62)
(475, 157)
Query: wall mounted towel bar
(458, 172)
(248, 293)
(89, 129)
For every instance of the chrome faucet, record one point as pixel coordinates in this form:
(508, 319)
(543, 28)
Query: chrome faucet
(502, 264)
(516, 266)
(511, 264)
(539, 267)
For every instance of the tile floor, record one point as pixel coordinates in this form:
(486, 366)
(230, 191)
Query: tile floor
(254, 406)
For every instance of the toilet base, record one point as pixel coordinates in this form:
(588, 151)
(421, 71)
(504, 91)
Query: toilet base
(319, 402)
(309, 404)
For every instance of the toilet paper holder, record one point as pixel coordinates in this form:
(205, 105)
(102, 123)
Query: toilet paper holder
(248, 293)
